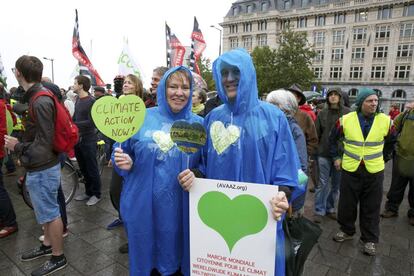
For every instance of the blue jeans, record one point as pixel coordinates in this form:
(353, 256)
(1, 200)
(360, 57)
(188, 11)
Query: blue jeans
(326, 194)
(43, 188)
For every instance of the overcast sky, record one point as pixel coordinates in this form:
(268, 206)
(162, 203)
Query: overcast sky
(44, 28)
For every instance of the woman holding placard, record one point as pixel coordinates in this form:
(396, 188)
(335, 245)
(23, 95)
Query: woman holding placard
(249, 140)
(152, 199)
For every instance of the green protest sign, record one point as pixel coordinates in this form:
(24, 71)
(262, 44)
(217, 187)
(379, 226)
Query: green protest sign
(188, 137)
(119, 119)
(9, 122)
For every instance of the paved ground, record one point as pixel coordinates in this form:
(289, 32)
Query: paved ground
(93, 250)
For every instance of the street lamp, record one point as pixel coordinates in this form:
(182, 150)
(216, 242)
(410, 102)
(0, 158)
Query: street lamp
(53, 73)
(220, 30)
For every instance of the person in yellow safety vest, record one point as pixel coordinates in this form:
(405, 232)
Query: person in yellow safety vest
(367, 140)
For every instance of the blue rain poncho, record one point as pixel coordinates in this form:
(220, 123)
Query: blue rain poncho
(152, 199)
(257, 146)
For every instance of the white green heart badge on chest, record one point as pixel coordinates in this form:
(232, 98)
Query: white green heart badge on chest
(163, 140)
(223, 137)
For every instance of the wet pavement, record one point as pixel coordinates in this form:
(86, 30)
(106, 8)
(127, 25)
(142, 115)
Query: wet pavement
(93, 250)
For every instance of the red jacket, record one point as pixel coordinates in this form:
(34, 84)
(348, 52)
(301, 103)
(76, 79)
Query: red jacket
(308, 109)
(3, 123)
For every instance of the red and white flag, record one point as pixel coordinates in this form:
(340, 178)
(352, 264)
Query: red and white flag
(175, 50)
(198, 45)
(82, 58)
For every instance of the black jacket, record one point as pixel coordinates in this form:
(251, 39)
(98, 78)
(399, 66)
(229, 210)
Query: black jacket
(35, 151)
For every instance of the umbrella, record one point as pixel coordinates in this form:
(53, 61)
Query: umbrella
(310, 95)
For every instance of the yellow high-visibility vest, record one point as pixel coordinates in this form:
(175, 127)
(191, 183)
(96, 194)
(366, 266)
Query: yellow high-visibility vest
(356, 148)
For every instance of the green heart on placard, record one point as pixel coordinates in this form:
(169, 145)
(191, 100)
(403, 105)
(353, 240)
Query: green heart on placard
(9, 122)
(233, 219)
(163, 140)
(119, 119)
(223, 137)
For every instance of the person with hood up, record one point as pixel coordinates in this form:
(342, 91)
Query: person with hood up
(367, 139)
(326, 194)
(261, 150)
(152, 200)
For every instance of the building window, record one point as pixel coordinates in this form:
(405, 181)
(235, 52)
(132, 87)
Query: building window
(382, 32)
(264, 6)
(235, 11)
(285, 23)
(262, 40)
(405, 50)
(319, 55)
(233, 28)
(337, 54)
(384, 13)
(399, 94)
(319, 38)
(304, 3)
(339, 18)
(249, 8)
(380, 52)
(320, 20)
(287, 5)
(247, 42)
(318, 72)
(234, 42)
(360, 34)
(407, 30)
(353, 92)
(361, 16)
(408, 10)
(262, 25)
(302, 22)
(402, 71)
(338, 37)
(247, 27)
(358, 53)
(336, 73)
(378, 72)
(356, 72)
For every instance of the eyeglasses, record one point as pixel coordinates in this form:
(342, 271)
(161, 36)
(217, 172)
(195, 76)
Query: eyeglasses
(13, 70)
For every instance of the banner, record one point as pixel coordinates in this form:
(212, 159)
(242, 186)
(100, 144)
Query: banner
(81, 56)
(127, 64)
(232, 230)
(198, 45)
(175, 51)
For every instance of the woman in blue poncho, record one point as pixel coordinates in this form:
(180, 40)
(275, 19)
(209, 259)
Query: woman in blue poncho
(249, 140)
(152, 199)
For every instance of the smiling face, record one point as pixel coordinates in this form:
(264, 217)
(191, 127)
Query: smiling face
(178, 91)
(128, 87)
(230, 77)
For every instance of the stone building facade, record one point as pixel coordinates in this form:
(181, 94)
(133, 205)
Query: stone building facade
(359, 43)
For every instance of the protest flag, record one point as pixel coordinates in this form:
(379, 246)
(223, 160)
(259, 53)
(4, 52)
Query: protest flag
(127, 64)
(197, 47)
(175, 50)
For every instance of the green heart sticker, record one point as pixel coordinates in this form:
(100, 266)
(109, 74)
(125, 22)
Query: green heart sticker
(163, 140)
(119, 119)
(233, 219)
(223, 137)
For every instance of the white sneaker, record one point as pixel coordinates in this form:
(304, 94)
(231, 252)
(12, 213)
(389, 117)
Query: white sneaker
(82, 197)
(92, 201)
(64, 235)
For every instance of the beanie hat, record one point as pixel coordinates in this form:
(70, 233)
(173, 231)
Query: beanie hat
(362, 95)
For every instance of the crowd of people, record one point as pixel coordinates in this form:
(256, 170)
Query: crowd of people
(339, 151)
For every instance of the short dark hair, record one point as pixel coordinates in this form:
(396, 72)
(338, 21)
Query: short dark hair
(84, 81)
(30, 67)
(99, 89)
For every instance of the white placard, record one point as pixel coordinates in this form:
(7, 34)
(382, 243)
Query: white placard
(232, 230)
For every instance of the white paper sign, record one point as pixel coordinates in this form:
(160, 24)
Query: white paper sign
(232, 230)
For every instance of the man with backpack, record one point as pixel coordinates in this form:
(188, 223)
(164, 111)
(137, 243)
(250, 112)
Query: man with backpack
(402, 166)
(41, 161)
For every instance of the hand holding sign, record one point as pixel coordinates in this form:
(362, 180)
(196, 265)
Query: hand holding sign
(119, 119)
